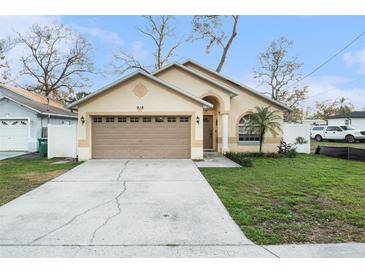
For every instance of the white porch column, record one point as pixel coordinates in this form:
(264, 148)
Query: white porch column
(225, 132)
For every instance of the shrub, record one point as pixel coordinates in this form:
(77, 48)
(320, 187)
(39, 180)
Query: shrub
(287, 149)
(239, 158)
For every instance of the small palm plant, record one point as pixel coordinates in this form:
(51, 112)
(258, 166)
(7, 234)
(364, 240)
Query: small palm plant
(264, 120)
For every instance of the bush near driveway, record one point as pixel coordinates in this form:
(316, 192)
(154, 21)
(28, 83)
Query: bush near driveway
(20, 175)
(307, 199)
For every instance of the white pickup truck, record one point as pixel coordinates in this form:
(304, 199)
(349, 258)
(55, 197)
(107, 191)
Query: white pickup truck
(346, 133)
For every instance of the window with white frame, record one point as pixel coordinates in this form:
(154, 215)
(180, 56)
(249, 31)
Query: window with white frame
(147, 120)
(184, 119)
(244, 135)
(122, 119)
(109, 119)
(134, 119)
(171, 119)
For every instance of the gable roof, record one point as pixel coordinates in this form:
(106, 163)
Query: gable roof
(226, 78)
(149, 76)
(34, 96)
(38, 107)
(226, 88)
(354, 114)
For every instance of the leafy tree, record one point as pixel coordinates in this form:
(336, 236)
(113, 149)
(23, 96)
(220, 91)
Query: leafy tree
(210, 29)
(264, 120)
(327, 108)
(279, 71)
(160, 30)
(58, 60)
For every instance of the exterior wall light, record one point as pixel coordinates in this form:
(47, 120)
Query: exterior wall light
(198, 120)
(82, 119)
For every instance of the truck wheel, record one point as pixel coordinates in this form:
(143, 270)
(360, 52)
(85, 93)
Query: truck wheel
(318, 138)
(350, 139)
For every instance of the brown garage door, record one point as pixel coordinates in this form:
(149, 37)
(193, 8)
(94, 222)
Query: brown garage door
(140, 137)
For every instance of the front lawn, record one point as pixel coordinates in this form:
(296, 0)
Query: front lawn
(314, 144)
(20, 175)
(307, 199)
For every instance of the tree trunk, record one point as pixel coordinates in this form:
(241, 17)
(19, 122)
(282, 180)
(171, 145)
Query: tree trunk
(226, 48)
(262, 133)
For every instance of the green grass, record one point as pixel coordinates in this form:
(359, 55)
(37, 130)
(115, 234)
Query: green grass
(314, 144)
(20, 175)
(307, 199)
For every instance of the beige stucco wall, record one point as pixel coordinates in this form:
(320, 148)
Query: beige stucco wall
(195, 85)
(122, 100)
(241, 104)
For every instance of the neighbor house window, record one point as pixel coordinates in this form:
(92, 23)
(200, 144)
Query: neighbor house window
(184, 119)
(134, 119)
(122, 119)
(147, 119)
(97, 119)
(171, 119)
(109, 119)
(159, 119)
(244, 135)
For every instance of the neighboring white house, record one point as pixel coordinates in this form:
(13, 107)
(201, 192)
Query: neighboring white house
(24, 117)
(355, 119)
(314, 122)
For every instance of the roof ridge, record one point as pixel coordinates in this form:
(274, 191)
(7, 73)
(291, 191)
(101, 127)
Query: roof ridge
(219, 74)
(148, 75)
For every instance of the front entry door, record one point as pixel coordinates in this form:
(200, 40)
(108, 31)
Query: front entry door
(208, 132)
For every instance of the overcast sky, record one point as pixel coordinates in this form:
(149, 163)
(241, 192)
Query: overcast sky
(315, 39)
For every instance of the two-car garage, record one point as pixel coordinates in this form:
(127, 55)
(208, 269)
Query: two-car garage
(141, 136)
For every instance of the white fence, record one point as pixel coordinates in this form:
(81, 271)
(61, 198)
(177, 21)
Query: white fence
(62, 141)
(293, 131)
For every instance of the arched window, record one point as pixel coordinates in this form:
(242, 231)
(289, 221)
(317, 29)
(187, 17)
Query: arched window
(243, 134)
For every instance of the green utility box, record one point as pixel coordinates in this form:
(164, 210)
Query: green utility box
(43, 146)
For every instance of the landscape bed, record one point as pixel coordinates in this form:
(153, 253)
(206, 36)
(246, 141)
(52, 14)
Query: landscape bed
(21, 174)
(306, 199)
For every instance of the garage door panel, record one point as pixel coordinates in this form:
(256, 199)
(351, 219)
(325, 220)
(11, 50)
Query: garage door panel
(14, 134)
(141, 140)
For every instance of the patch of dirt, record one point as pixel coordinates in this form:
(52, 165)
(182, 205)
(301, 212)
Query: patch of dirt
(40, 177)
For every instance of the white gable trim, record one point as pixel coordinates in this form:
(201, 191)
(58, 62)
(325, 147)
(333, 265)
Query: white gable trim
(231, 91)
(149, 76)
(237, 83)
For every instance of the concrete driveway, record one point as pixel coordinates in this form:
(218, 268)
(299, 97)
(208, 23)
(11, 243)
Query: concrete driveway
(123, 208)
(10, 154)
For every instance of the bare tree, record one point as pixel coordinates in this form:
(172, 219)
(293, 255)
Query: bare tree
(279, 71)
(58, 61)
(210, 29)
(159, 29)
(5, 45)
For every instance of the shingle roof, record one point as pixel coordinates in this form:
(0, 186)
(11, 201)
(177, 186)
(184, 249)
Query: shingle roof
(37, 106)
(354, 114)
(229, 79)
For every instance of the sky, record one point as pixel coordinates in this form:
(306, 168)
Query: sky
(315, 39)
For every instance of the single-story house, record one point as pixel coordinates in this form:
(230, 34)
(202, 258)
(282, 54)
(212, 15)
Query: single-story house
(178, 111)
(24, 117)
(355, 119)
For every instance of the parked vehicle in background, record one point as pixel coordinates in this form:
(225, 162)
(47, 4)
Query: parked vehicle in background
(343, 133)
